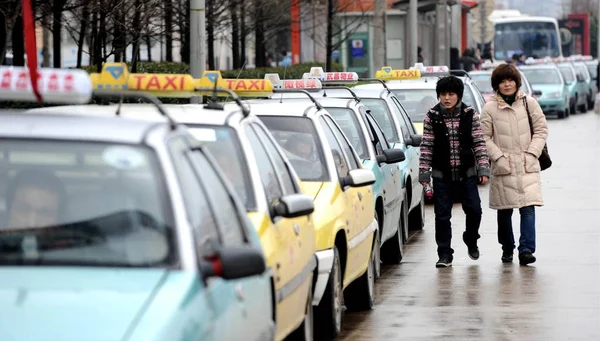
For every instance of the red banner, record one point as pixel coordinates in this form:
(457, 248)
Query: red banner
(30, 46)
(295, 16)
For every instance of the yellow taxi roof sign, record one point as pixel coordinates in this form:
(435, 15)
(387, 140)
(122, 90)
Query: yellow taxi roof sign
(387, 73)
(116, 76)
(241, 87)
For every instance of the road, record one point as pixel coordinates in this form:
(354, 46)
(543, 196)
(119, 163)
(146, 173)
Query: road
(556, 298)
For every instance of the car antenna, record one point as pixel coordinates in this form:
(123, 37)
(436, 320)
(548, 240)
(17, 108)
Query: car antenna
(284, 75)
(315, 102)
(238, 76)
(372, 80)
(231, 93)
(338, 87)
(121, 99)
(138, 95)
(214, 99)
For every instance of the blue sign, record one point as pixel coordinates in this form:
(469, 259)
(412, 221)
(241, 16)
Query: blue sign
(357, 49)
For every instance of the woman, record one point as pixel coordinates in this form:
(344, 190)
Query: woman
(514, 153)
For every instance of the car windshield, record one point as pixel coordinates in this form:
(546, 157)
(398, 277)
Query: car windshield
(348, 121)
(567, 73)
(418, 101)
(542, 76)
(483, 82)
(81, 203)
(224, 144)
(531, 38)
(593, 69)
(301, 144)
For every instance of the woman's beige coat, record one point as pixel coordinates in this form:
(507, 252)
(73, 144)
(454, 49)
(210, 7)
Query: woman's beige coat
(513, 152)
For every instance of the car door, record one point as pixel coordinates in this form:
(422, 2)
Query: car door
(346, 160)
(412, 153)
(233, 229)
(224, 306)
(392, 183)
(278, 182)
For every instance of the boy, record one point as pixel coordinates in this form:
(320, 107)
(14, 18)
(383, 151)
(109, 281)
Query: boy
(454, 154)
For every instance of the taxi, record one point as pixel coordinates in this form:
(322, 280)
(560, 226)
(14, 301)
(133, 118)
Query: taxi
(347, 232)
(575, 88)
(397, 129)
(261, 174)
(589, 84)
(418, 95)
(545, 76)
(119, 228)
(482, 79)
(592, 66)
(367, 138)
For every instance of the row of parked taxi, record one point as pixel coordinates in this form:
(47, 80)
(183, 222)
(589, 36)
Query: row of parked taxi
(263, 216)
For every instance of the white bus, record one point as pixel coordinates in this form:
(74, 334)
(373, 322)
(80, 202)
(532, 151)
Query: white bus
(536, 37)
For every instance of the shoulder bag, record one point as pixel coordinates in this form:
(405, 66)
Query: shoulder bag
(545, 161)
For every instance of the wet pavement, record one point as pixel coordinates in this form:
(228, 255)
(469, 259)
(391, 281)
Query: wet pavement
(556, 298)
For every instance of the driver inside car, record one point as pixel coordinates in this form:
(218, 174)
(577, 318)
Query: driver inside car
(301, 146)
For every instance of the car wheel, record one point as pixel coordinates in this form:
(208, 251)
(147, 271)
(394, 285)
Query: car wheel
(404, 220)
(392, 250)
(377, 253)
(306, 330)
(328, 314)
(360, 294)
(561, 114)
(416, 218)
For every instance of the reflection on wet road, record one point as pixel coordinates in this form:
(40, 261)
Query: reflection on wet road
(556, 298)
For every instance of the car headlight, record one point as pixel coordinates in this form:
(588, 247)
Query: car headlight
(553, 95)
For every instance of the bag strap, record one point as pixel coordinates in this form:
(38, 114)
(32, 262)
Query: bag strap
(528, 115)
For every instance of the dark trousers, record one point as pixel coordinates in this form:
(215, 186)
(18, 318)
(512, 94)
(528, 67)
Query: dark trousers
(505, 230)
(445, 191)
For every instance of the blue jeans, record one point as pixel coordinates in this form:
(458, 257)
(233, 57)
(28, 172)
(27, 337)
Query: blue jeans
(505, 230)
(445, 192)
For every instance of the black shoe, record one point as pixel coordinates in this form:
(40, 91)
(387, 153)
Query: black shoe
(444, 262)
(472, 248)
(507, 257)
(526, 258)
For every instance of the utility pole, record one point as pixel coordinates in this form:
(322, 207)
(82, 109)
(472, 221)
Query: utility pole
(197, 41)
(379, 35)
(413, 32)
(483, 20)
(598, 36)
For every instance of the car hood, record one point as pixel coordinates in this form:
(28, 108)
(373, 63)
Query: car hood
(548, 88)
(65, 303)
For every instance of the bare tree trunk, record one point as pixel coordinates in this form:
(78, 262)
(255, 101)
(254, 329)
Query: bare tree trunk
(259, 35)
(83, 32)
(137, 30)
(18, 45)
(210, 33)
(243, 33)
(120, 34)
(10, 18)
(149, 46)
(329, 46)
(57, 9)
(235, 37)
(169, 30)
(184, 29)
(45, 41)
(95, 55)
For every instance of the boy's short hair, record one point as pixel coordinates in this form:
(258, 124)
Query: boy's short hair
(505, 71)
(450, 84)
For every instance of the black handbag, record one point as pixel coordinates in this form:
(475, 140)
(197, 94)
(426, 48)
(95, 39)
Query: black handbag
(545, 161)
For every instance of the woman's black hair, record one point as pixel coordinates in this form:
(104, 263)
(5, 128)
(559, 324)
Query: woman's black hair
(450, 84)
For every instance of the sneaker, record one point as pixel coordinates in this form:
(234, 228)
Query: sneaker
(526, 258)
(444, 262)
(472, 248)
(507, 257)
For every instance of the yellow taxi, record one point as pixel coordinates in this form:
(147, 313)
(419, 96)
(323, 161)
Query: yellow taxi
(261, 174)
(347, 232)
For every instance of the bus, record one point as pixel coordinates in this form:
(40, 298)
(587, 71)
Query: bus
(536, 37)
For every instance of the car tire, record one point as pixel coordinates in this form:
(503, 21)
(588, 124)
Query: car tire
(392, 250)
(573, 107)
(377, 253)
(305, 331)
(360, 294)
(416, 218)
(561, 114)
(329, 312)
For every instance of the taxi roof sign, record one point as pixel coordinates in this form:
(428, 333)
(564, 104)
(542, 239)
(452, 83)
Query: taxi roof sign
(304, 84)
(437, 69)
(316, 72)
(241, 87)
(59, 86)
(387, 73)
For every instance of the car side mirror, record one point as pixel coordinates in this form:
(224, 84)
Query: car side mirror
(391, 156)
(537, 93)
(415, 140)
(294, 205)
(358, 178)
(234, 263)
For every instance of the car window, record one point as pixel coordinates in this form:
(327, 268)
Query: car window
(224, 144)
(483, 82)
(268, 174)
(380, 142)
(583, 71)
(341, 164)
(301, 145)
(282, 170)
(225, 211)
(592, 69)
(383, 116)
(346, 146)
(347, 120)
(567, 73)
(406, 124)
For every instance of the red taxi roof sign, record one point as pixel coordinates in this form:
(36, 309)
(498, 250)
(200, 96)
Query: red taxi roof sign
(436, 70)
(59, 86)
(302, 84)
(316, 72)
(387, 73)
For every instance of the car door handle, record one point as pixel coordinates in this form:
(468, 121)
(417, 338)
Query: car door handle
(360, 196)
(239, 292)
(296, 229)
